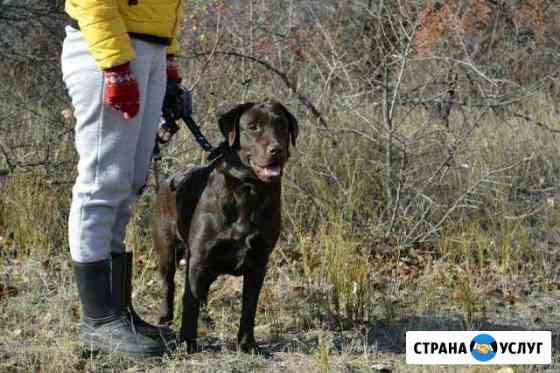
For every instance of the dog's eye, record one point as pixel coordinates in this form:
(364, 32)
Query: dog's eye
(252, 126)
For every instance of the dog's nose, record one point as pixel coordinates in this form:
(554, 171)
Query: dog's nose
(274, 149)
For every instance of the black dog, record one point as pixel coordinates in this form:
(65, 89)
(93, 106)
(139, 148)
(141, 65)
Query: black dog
(225, 218)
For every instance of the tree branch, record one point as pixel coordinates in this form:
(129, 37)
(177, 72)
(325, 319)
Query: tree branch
(283, 76)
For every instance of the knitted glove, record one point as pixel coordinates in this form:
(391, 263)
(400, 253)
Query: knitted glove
(121, 90)
(173, 69)
(172, 100)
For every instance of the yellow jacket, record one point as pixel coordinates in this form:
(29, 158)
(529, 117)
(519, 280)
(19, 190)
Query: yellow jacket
(107, 25)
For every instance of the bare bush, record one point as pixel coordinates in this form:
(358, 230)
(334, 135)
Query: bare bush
(419, 118)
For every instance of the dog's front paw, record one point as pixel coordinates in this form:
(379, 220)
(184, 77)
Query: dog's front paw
(249, 346)
(190, 345)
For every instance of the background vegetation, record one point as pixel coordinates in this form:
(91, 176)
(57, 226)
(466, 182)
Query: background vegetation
(422, 194)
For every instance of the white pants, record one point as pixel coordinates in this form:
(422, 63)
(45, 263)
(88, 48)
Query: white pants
(114, 154)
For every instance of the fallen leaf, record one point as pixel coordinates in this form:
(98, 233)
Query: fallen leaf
(80, 365)
(458, 295)
(7, 291)
(511, 299)
(554, 285)
(75, 312)
(299, 290)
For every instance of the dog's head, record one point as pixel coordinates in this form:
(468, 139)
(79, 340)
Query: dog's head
(260, 134)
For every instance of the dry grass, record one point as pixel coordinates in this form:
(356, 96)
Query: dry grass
(341, 292)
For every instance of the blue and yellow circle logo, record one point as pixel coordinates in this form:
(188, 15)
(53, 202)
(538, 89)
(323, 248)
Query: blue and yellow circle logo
(484, 347)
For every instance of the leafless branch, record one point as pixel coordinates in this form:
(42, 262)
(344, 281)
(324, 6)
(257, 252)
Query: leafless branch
(282, 75)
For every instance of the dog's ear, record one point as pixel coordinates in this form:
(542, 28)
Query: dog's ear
(228, 121)
(292, 123)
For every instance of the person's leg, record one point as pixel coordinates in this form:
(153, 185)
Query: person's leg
(106, 145)
(150, 121)
(154, 89)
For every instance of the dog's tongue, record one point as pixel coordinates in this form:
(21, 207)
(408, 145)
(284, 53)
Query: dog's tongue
(270, 171)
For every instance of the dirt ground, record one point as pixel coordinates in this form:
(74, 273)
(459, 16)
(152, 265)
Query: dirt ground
(39, 314)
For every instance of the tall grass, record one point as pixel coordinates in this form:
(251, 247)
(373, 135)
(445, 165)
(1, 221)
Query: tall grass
(34, 214)
(335, 214)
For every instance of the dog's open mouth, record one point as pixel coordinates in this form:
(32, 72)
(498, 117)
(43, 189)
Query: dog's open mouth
(267, 173)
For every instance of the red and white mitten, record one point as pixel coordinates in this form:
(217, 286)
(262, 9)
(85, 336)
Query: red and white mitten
(173, 69)
(121, 90)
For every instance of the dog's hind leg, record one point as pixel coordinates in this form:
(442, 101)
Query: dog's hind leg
(169, 253)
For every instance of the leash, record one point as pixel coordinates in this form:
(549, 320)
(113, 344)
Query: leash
(169, 128)
(198, 135)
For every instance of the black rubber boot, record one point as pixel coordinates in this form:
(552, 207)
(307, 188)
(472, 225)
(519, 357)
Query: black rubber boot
(104, 326)
(122, 274)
